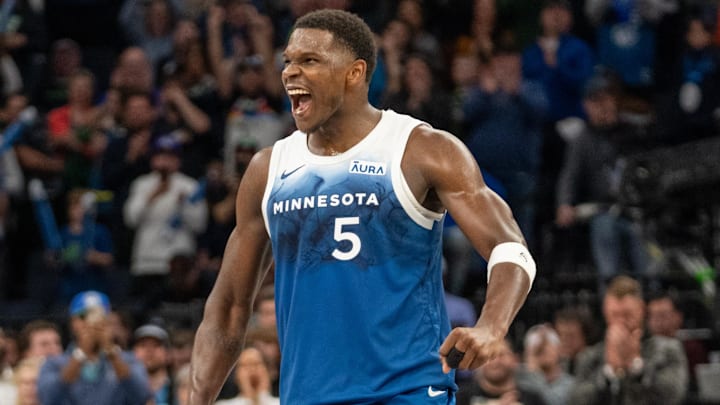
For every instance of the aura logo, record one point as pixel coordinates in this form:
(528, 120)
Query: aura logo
(368, 168)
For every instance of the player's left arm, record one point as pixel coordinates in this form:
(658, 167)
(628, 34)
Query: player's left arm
(443, 174)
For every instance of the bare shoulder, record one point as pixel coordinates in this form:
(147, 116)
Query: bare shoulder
(435, 152)
(252, 186)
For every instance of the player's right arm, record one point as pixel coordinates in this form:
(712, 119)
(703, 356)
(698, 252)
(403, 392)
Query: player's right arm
(221, 333)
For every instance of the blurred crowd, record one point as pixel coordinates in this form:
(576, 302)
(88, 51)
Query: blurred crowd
(126, 127)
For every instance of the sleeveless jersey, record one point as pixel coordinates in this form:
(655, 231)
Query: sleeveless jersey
(358, 280)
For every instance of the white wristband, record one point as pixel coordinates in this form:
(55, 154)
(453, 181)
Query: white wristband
(516, 253)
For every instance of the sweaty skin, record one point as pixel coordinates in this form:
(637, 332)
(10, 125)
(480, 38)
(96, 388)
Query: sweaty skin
(328, 90)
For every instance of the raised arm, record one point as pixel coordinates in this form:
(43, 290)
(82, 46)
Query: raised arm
(443, 173)
(221, 333)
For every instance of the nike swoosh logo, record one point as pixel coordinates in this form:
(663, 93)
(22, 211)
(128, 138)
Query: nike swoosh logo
(432, 393)
(285, 174)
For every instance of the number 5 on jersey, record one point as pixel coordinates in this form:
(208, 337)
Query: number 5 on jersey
(351, 237)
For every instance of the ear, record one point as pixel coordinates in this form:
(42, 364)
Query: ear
(356, 73)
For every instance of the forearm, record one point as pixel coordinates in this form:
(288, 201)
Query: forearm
(216, 349)
(194, 117)
(506, 293)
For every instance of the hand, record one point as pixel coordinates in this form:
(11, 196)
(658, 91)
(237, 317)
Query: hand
(479, 344)
(564, 216)
(138, 145)
(621, 346)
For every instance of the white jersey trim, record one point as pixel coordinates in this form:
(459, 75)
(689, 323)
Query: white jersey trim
(415, 210)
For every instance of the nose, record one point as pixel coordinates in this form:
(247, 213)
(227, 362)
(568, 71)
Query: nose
(290, 70)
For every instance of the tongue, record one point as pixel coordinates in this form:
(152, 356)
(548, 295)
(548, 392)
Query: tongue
(303, 103)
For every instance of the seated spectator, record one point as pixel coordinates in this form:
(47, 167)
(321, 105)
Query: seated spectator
(186, 281)
(40, 339)
(627, 367)
(182, 385)
(26, 375)
(93, 370)
(266, 341)
(665, 318)
(575, 330)
(251, 376)
(181, 345)
(590, 176)
(151, 349)
(121, 324)
(264, 309)
(542, 361)
(495, 382)
(7, 388)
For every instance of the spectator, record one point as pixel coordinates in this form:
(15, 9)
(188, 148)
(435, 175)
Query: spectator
(150, 25)
(266, 341)
(627, 40)
(93, 370)
(542, 361)
(504, 115)
(495, 382)
(182, 385)
(186, 281)
(251, 375)
(562, 63)
(264, 312)
(87, 249)
(420, 94)
(422, 41)
(127, 157)
(25, 37)
(133, 72)
(695, 93)
(181, 343)
(574, 328)
(591, 174)
(627, 367)
(121, 324)
(167, 216)
(26, 376)
(151, 349)
(40, 339)
(65, 59)
(393, 48)
(73, 131)
(7, 390)
(665, 318)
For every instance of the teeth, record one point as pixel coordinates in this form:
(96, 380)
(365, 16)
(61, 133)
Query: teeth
(297, 92)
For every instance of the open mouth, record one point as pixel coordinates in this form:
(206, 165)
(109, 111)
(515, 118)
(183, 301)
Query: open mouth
(301, 101)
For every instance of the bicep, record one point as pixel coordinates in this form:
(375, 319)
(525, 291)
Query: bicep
(453, 174)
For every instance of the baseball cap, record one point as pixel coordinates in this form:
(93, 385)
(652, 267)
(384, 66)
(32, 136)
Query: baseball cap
(82, 302)
(167, 144)
(152, 331)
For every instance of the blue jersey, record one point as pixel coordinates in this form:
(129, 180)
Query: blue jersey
(358, 278)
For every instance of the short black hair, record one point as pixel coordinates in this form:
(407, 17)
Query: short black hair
(348, 29)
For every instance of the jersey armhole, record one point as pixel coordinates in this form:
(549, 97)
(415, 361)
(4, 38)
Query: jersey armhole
(272, 174)
(415, 210)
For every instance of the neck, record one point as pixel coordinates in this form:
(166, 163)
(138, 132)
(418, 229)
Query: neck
(157, 379)
(344, 132)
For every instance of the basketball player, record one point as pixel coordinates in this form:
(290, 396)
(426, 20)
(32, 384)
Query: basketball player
(351, 206)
